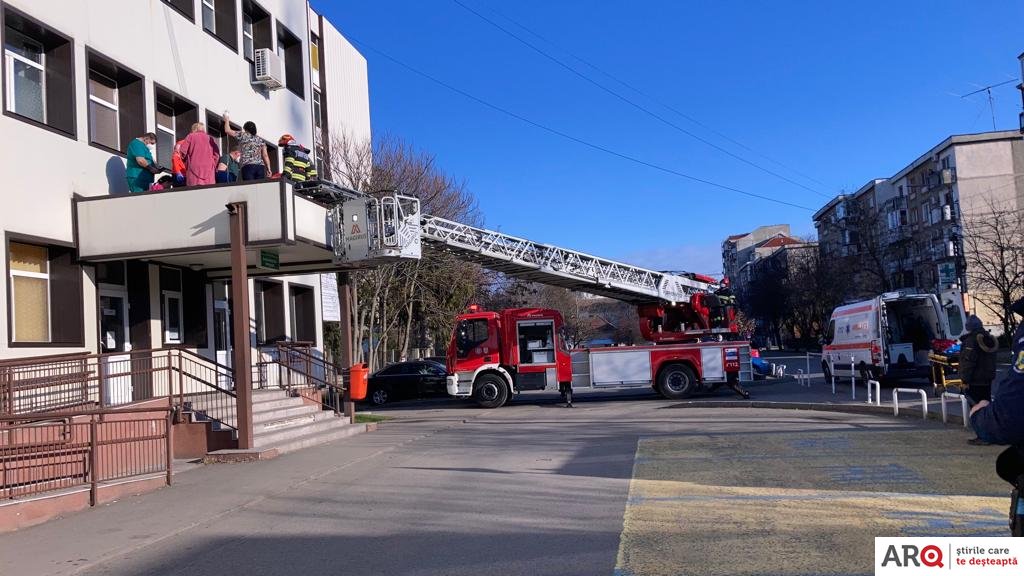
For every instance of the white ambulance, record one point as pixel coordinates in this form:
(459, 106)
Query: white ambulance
(890, 336)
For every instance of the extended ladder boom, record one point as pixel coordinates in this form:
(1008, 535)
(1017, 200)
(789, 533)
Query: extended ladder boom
(559, 266)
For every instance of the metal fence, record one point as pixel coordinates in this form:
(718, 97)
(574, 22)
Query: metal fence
(46, 452)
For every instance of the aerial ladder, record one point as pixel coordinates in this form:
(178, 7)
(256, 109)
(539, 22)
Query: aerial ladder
(373, 229)
(672, 306)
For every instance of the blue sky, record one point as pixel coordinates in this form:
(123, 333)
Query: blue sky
(826, 94)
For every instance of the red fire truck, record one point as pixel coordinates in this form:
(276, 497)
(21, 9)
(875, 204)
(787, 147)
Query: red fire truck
(493, 355)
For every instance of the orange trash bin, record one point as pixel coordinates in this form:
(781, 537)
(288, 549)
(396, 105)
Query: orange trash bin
(357, 381)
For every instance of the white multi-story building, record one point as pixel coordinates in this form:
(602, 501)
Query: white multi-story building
(90, 268)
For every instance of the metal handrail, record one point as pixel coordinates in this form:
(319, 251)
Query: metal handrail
(337, 393)
(49, 451)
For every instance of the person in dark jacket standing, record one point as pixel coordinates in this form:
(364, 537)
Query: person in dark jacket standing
(978, 363)
(1001, 421)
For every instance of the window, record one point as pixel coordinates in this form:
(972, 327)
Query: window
(215, 127)
(470, 334)
(26, 77)
(174, 119)
(184, 7)
(210, 16)
(302, 311)
(39, 80)
(536, 342)
(30, 293)
(317, 118)
(103, 110)
(170, 305)
(289, 48)
(39, 276)
(272, 154)
(314, 52)
(248, 46)
(165, 135)
(116, 104)
(172, 317)
(221, 21)
(257, 29)
(268, 311)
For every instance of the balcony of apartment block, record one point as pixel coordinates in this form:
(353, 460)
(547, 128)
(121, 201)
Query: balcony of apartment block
(287, 229)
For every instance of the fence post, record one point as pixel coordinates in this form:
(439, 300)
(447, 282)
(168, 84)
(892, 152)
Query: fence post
(101, 371)
(181, 385)
(94, 459)
(170, 446)
(832, 375)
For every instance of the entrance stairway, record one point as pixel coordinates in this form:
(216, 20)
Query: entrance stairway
(284, 423)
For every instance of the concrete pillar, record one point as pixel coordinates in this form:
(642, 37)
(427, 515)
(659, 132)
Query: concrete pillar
(242, 355)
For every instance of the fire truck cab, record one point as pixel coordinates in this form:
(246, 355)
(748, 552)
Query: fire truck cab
(492, 355)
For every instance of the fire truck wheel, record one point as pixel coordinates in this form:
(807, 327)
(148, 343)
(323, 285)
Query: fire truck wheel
(490, 391)
(676, 381)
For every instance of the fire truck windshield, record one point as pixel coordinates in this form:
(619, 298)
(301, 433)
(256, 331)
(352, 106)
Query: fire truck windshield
(469, 334)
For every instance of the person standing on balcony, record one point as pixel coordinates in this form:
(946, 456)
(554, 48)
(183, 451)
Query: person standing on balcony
(228, 169)
(254, 160)
(297, 165)
(140, 166)
(200, 153)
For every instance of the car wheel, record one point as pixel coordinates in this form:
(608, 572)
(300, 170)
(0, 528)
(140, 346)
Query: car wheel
(490, 391)
(379, 396)
(677, 381)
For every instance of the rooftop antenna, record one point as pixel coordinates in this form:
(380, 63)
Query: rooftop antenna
(991, 102)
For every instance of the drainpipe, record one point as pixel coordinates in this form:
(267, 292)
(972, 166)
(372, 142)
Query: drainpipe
(242, 355)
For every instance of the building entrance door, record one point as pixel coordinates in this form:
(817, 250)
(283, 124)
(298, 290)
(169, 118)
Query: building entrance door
(117, 359)
(222, 339)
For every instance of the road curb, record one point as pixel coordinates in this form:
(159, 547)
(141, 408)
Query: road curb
(913, 412)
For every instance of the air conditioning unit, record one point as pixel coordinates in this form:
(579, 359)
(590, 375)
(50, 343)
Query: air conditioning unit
(948, 176)
(268, 69)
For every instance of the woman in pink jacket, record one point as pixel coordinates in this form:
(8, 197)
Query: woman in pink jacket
(200, 153)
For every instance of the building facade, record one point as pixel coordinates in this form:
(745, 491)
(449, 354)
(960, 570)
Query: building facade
(907, 231)
(79, 86)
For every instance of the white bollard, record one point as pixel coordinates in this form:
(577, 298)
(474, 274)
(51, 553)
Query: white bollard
(878, 392)
(853, 378)
(964, 407)
(896, 401)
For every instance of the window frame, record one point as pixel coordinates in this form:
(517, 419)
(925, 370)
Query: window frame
(53, 36)
(132, 115)
(212, 5)
(174, 6)
(251, 54)
(11, 274)
(114, 106)
(9, 77)
(172, 130)
(165, 309)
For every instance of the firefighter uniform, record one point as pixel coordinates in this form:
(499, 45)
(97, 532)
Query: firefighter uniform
(297, 165)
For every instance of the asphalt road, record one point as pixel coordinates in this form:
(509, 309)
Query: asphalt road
(615, 486)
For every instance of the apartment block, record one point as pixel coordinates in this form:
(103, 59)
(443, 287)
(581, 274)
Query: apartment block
(906, 231)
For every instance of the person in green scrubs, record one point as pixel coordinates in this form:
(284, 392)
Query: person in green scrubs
(140, 167)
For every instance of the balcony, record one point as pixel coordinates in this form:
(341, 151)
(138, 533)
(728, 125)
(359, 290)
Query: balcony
(189, 227)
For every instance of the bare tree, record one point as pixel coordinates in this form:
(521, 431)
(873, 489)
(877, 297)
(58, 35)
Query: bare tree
(993, 240)
(395, 304)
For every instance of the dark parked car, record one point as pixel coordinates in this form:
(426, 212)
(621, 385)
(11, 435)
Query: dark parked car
(413, 379)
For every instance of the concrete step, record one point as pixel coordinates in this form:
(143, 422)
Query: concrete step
(326, 431)
(287, 430)
(262, 417)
